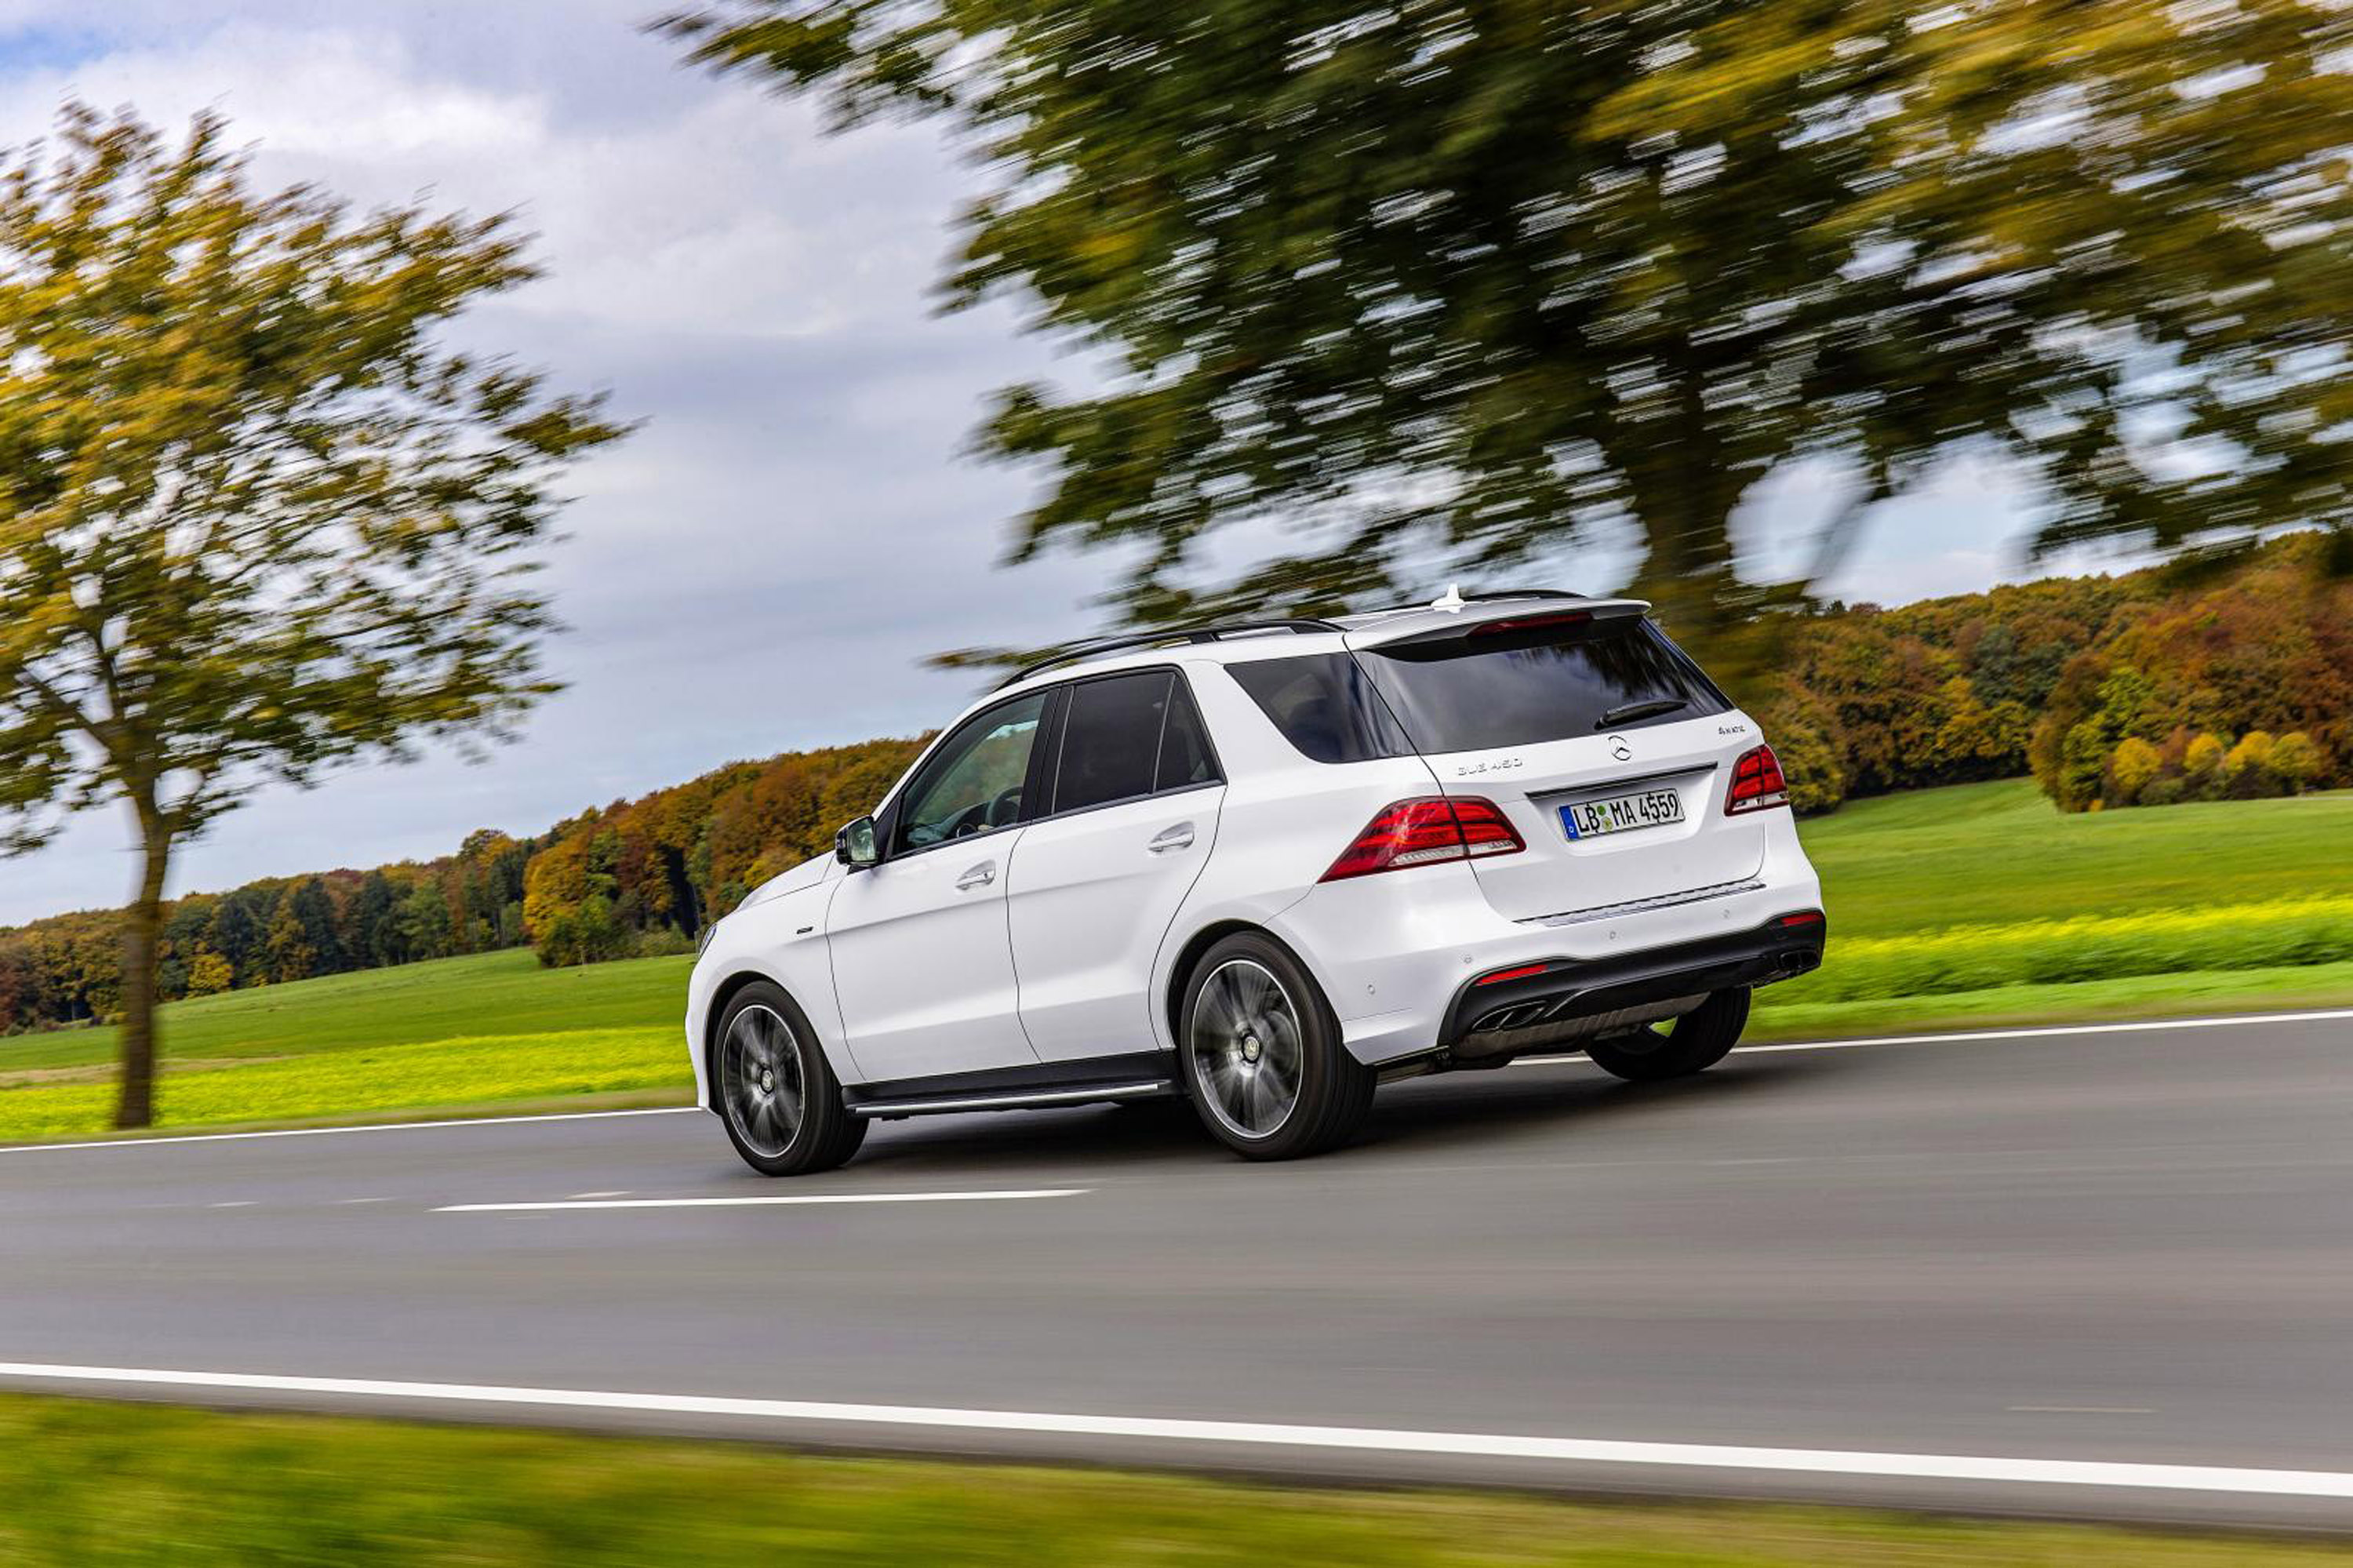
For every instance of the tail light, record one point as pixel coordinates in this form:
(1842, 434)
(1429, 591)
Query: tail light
(1756, 783)
(1425, 832)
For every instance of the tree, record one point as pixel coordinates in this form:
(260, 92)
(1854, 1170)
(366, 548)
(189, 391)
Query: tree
(1491, 281)
(2247, 769)
(313, 911)
(2296, 760)
(2201, 766)
(2134, 768)
(375, 936)
(210, 974)
(255, 519)
(286, 952)
(423, 922)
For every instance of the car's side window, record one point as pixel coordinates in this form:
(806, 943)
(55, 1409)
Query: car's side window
(1111, 740)
(1185, 755)
(973, 783)
(1127, 737)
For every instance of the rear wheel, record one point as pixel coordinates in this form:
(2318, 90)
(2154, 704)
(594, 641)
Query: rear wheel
(774, 1090)
(1263, 1062)
(1692, 1043)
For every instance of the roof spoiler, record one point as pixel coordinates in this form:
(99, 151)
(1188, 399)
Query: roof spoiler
(1496, 617)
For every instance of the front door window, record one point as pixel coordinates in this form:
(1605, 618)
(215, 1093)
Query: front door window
(972, 784)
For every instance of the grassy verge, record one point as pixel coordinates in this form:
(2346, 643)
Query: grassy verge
(1788, 1012)
(96, 1484)
(474, 1071)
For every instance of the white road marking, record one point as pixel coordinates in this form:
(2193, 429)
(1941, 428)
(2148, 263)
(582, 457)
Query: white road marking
(329, 1131)
(1558, 1450)
(2082, 1409)
(347, 1202)
(240, 1203)
(759, 1203)
(578, 1197)
(2053, 1032)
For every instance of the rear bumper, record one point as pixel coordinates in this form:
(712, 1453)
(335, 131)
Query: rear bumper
(1550, 992)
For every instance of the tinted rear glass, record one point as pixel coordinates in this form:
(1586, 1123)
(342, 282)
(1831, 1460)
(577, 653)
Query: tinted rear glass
(1185, 759)
(1323, 705)
(1539, 683)
(1110, 741)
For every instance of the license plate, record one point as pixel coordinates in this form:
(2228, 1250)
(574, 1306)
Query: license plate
(1622, 813)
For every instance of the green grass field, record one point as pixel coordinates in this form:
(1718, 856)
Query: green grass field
(1967, 908)
(91, 1484)
(1998, 854)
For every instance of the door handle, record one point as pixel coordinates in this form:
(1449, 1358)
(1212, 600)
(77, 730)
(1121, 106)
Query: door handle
(1176, 838)
(980, 876)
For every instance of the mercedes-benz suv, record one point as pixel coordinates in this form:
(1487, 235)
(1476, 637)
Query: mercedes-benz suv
(1267, 867)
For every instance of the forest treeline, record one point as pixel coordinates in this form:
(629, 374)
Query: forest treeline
(2097, 686)
(2136, 689)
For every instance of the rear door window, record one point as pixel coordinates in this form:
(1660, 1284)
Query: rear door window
(1185, 757)
(1528, 684)
(1111, 740)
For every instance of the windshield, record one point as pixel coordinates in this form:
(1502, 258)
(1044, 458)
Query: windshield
(1536, 683)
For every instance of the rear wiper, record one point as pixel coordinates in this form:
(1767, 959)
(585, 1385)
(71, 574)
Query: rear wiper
(1650, 708)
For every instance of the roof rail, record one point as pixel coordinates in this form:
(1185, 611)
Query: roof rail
(1096, 647)
(1523, 593)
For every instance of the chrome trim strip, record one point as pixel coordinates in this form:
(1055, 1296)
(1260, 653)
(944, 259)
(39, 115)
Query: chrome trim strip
(873, 1109)
(1644, 906)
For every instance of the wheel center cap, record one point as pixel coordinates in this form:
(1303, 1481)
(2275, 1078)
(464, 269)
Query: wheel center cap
(767, 1082)
(1251, 1048)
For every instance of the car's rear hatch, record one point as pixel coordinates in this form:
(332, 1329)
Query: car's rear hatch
(1606, 747)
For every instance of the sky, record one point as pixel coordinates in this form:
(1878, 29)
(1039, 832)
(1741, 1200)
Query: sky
(765, 562)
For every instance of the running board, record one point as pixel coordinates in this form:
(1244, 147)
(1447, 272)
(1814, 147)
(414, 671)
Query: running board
(892, 1107)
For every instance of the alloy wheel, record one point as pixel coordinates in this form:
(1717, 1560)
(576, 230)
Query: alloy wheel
(760, 1078)
(1248, 1048)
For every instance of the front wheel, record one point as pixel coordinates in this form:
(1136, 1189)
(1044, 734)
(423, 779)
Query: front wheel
(775, 1091)
(1263, 1062)
(1695, 1042)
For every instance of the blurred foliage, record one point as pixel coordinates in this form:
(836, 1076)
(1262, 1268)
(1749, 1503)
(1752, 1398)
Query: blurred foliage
(2058, 674)
(1491, 281)
(254, 520)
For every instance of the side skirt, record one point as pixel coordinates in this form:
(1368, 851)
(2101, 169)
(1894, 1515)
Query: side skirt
(1137, 1075)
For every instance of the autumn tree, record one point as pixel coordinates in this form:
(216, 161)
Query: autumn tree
(256, 518)
(1500, 283)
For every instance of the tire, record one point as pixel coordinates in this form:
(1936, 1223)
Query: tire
(774, 1090)
(1699, 1039)
(1262, 1056)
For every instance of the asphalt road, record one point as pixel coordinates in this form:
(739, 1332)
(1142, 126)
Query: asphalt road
(2026, 1269)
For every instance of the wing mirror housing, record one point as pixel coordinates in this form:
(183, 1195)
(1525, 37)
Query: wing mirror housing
(855, 845)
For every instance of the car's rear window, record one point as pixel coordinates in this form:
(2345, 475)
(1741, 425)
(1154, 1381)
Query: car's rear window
(1324, 706)
(1528, 684)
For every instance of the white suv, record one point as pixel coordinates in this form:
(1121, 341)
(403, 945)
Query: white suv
(1268, 867)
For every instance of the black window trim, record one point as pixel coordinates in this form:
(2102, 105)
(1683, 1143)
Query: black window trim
(1061, 716)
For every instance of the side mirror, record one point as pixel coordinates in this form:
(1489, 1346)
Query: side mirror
(854, 846)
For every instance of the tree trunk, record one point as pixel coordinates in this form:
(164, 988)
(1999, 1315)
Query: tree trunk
(143, 926)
